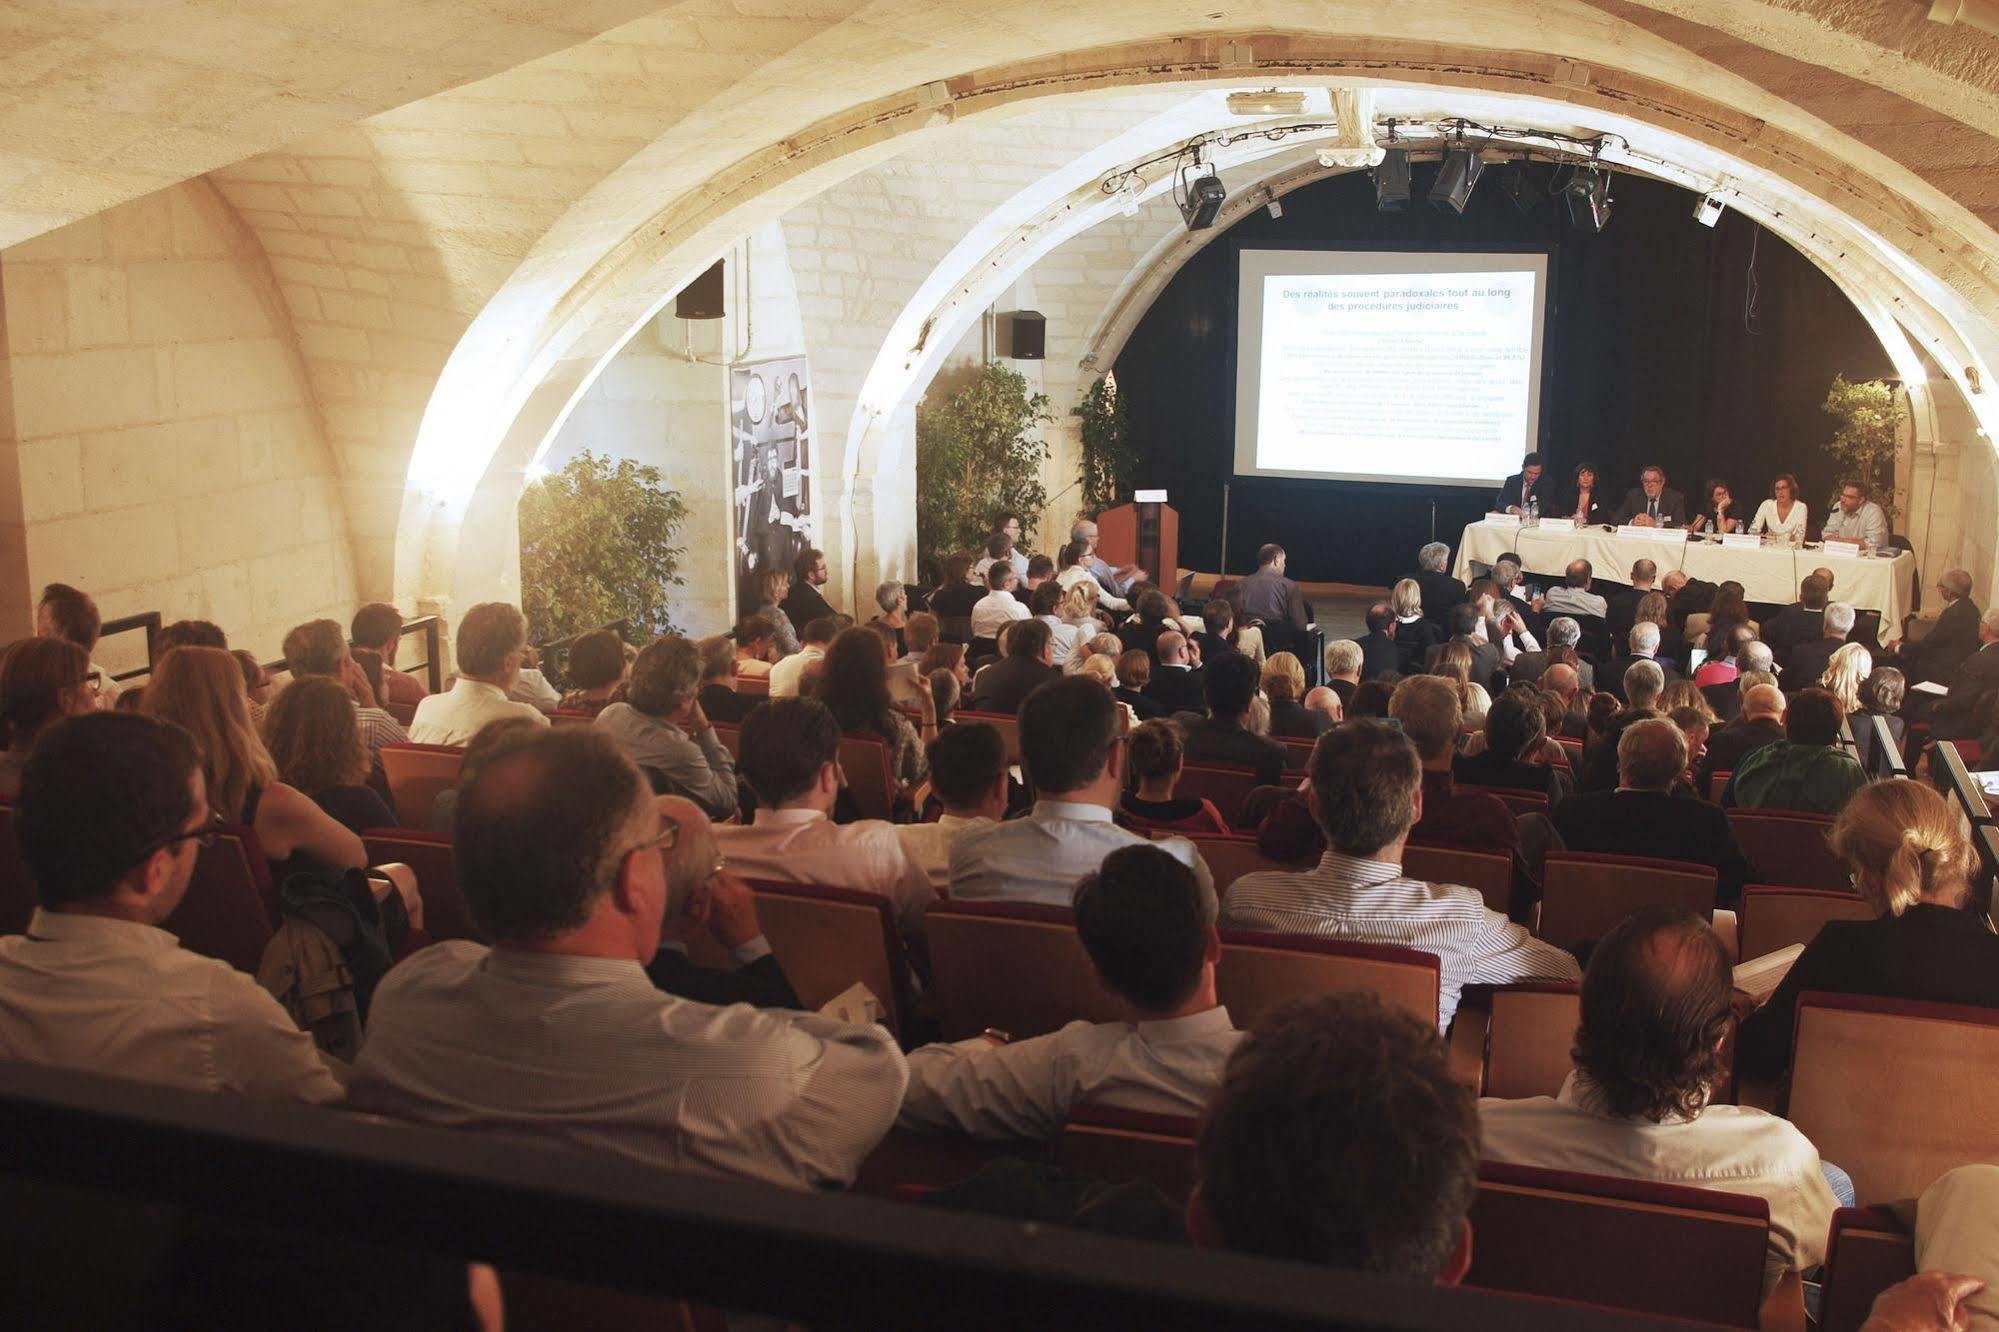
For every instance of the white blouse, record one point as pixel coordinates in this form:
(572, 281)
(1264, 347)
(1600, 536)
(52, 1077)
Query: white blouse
(1766, 520)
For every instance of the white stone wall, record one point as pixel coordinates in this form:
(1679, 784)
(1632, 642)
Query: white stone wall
(166, 447)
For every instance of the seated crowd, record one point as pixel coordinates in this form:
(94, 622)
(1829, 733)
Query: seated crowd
(1048, 729)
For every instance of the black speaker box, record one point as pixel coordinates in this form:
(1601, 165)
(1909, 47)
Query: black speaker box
(701, 298)
(1026, 335)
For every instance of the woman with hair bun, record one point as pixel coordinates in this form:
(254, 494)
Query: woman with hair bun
(1909, 860)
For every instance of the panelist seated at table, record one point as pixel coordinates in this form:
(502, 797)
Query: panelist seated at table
(1857, 518)
(1524, 486)
(1783, 515)
(1584, 500)
(1718, 513)
(1651, 503)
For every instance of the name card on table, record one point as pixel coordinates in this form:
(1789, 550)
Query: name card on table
(1844, 549)
(1673, 535)
(1558, 524)
(1501, 520)
(1742, 540)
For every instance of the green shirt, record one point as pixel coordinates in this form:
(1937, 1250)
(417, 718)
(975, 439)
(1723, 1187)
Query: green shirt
(1814, 779)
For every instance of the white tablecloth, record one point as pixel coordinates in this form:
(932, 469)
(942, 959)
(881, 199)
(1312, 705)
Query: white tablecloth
(1769, 574)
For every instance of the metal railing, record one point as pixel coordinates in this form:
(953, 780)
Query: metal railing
(552, 653)
(125, 624)
(430, 626)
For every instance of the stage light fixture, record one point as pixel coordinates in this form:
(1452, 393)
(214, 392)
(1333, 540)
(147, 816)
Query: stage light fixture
(1708, 211)
(1203, 200)
(1391, 181)
(1268, 102)
(1517, 184)
(1457, 177)
(1588, 193)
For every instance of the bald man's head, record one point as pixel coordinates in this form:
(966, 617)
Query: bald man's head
(1654, 1011)
(1763, 701)
(1561, 678)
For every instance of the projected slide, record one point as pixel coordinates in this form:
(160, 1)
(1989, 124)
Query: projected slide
(1388, 367)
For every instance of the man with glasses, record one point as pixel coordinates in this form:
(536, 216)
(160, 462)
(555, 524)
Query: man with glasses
(555, 1033)
(112, 814)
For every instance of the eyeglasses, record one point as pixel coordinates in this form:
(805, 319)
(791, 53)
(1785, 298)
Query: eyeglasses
(95, 679)
(205, 835)
(665, 839)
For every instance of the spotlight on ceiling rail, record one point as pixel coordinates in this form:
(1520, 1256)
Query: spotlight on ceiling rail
(1708, 211)
(1203, 200)
(1519, 185)
(1588, 193)
(1391, 181)
(1457, 177)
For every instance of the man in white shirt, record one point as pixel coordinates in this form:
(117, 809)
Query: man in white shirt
(555, 1033)
(1857, 518)
(1574, 597)
(998, 606)
(492, 642)
(1072, 746)
(814, 637)
(968, 773)
(113, 811)
(1366, 792)
(1655, 1015)
(789, 751)
(1149, 928)
(71, 614)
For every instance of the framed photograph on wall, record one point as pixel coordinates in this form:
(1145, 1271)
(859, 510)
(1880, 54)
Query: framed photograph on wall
(770, 422)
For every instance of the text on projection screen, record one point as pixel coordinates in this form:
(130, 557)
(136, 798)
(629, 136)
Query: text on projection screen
(1420, 368)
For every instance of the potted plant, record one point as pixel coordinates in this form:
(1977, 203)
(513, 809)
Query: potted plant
(978, 454)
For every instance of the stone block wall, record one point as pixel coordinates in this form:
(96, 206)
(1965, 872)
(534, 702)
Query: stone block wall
(164, 450)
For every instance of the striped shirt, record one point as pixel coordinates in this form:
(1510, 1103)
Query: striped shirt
(1369, 901)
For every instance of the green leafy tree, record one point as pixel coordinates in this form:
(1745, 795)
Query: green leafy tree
(1866, 417)
(1108, 462)
(978, 455)
(597, 548)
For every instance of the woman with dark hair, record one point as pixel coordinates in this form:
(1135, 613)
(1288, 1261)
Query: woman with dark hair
(1783, 515)
(314, 735)
(755, 642)
(41, 680)
(1155, 617)
(853, 684)
(773, 586)
(1584, 501)
(596, 674)
(1603, 709)
(1729, 610)
(1717, 513)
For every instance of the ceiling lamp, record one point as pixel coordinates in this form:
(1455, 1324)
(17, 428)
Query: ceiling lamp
(1457, 176)
(1588, 193)
(1391, 181)
(1269, 102)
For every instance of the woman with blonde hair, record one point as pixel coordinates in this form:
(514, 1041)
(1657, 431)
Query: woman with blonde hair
(1909, 861)
(1845, 673)
(201, 690)
(1414, 635)
(1284, 686)
(1079, 605)
(1454, 663)
(1687, 694)
(314, 735)
(773, 585)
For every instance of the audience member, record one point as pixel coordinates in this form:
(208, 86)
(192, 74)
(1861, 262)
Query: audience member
(1134, 673)
(1148, 926)
(1270, 596)
(1806, 662)
(1686, 694)
(70, 614)
(968, 773)
(1366, 794)
(1642, 816)
(1484, 660)
(1217, 634)
(1563, 632)
(1439, 591)
(1725, 668)
(787, 677)
(1687, 596)
(1284, 686)
(1955, 1232)
(945, 695)
(316, 745)
(701, 894)
(1640, 1103)
(375, 632)
(803, 602)
(256, 680)
(1696, 724)
(919, 635)
(1806, 771)
(1177, 677)
(1223, 735)
(492, 639)
(1074, 757)
(999, 605)
(1344, 659)
(1845, 671)
(1654, 609)
(1371, 699)
(113, 811)
(189, 633)
(1513, 757)
(791, 759)
(1156, 615)
(1622, 607)
(1643, 683)
(1729, 613)
(1881, 695)
(1454, 663)
(1118, 582)
(1953, 637)
(530, 686)
(1573, 596)
(1004, 685)
(959, 591)
(773, 590)
(1103, 644)
(755, 641)
(1801, 621)
(719, 701)
(1561, 681)
(893, 599)
(1433, 719)
(317, 649)
(1045, 604)
(596, 673)
(42, 680)
(1416, 631)
(1000, 549)
(660, 727)
(201, 690)
(1644, 646)
(556, 1034)
(1761, 723)
(1158, 751)
(1961, 714)
(854, 687)
(1379, 649)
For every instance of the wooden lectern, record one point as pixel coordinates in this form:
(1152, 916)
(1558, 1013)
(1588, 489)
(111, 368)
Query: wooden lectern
(1145, 533)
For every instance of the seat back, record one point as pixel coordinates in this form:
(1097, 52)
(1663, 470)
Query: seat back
(1516, 802)
(1487, 871)
(870, 772)
(1867, 1252)
(1229, 858)
(1716, 784)
(828, 938)
(404, 713)
(430, 855)
(1573, 748)
(1583, 893)
(1897, 1092)
(571, 717)
(1297, 752)
(417, 774)
(1005, 723)
(1261, 970)
(1227, 784)
(1788, 848)
(731, 736)
(1528, 1039)
(1626, 1244)
(1105, 1142)
(756, 685)
(17, 887)
(982, 955)
(1774, 917)
(228, 910)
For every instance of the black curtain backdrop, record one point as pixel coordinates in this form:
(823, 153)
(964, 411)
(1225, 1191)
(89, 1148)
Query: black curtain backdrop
(1647, 358)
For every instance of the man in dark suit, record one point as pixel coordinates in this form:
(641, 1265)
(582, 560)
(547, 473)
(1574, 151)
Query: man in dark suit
(1799, 622)
(1004, 685)
(1622, 610)
(1440, 590)
(1529, 667)
(1937, 655)
(1223, 735)
(1651, 503)
(1805, 664)
(1644, 641)
(1959, 714)
(1486, 658)
(700, 896)
(1377, 645)
(1687, 596)
(804, 604)
(1522, 486)
(1642, 817)
(1761, 723)
(1176, 680)
(1218, 621)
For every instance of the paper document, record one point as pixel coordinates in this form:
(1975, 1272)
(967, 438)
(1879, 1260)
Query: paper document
(1759, 977)
(856, 1004)
(1930, 687)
